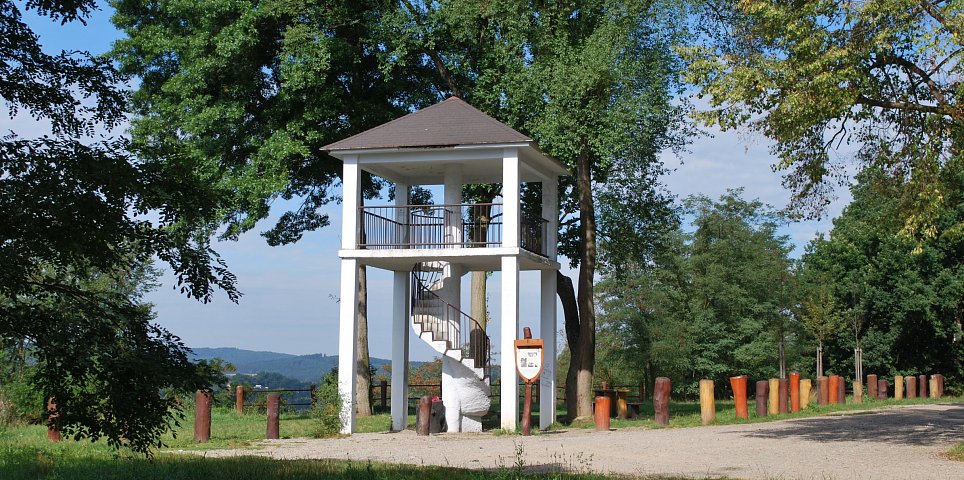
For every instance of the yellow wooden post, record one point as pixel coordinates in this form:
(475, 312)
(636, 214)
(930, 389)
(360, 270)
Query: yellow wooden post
(806, 387)
(707, 402)
(773, 407)
(858, 391)
(899, 387)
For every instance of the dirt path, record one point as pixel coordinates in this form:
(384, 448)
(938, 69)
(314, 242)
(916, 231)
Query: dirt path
(899, 443)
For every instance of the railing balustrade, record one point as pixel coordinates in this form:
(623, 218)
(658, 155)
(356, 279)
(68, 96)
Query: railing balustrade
(470, 225)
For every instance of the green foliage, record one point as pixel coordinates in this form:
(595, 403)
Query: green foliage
(714, 304)
(327, 410)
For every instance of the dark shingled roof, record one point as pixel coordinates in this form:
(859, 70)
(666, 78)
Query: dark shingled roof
(448, 123)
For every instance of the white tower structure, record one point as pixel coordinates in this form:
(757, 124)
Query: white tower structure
(430, 247)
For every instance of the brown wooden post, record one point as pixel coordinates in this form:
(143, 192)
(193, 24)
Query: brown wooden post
(527, 411)
(739, 395)
(424, 416)
(834, 389)
(882, 386)
(273, 401)
(858, 392)
(922, 386)
(806, 389)
(940, 385)
(239, 400)
(707, 402)
(872, 386)
(384, 394)
(601, 416)
(794, 392)
(53, 426)
(202, 416)
(762, 394)
(911, 382)
(898, 387)
(841, 390)
(782, 396)
(823, 390)
(661, 394)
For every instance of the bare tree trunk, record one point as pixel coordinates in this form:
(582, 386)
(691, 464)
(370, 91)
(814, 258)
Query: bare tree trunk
(820, 360)
(570, 313)
(585, 360)
(363, 385)
(480, 311)
(783, 362)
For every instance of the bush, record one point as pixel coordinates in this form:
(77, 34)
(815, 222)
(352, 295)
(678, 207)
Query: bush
(21, 402)
(327, 408)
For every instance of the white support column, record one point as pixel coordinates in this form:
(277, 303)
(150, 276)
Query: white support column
(510, 197)
(548, 326)
(401, 214)
(347, 333)
(400, 326)
(509, 395)
(350, 197)
(453, 197)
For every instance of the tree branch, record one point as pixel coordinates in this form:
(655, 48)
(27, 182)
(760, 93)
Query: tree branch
(935, 12)
(908, 106)
(443, 71)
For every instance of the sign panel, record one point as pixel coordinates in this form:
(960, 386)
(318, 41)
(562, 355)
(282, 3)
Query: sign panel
(528, 359)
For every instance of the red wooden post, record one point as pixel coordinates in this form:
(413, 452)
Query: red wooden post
(53, 427)
(661, 393)
(794, 392)
(202, 416)
(833, 389)
(872, 386)
(882, 386)
(841, 390)
(239, 400)
(922, 386)
(762, 394)
(823, 390)
(602, 413)
(273, 400)
(424, 416)
(911, 382)
(384, 386)
(739, 395)
(782, 398)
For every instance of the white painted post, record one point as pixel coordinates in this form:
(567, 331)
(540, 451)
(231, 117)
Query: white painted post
(401, 214)
(350, 195)
(510, 197)
(400, 324)
(547, 329)
(453, 198)
(347, 333)
(509, 394)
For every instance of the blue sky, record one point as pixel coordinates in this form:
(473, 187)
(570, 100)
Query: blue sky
(290, 293)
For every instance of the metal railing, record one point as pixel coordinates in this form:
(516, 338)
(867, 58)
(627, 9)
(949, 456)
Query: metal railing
(444, 321)
(440, 226)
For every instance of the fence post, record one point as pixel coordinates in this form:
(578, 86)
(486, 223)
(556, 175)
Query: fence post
(707, 402)
(202, 416)
(762, 394)
(53, 427)
(661, 393)
(384, 394)
(273, 400)
(239, 400)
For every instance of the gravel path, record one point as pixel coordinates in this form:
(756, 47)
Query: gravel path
(898, 443)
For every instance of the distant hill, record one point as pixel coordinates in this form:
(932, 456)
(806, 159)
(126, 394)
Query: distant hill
(306, 368)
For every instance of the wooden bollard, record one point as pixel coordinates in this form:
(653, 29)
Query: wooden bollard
(911, 384)
(762, 394)
(882, 386)
(782, 397)
(932, 386)
(872, 386)
(773, 405)
(858, 392)
(202, 416)
(739, 395)
(273, 401)
(806, 389)
(601, 415)
(384, 386)
(823, 390)
(53, 426)
(794, 392)
(424, 416)
(239, 399)
(922, 386)
(661, 393)
(940, 385)
(898, 387)
(841, 390)
(834, 389)
(707, 402)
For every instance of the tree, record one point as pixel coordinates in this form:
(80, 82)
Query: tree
(815, 75)
(820, 317)
(77, 240)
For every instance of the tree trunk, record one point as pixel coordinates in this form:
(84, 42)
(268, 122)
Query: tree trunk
(363, 366)
(585, 360)
(820, 360)
(570, 313)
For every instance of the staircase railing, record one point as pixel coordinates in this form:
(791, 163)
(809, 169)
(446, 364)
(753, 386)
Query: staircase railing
(445, 322)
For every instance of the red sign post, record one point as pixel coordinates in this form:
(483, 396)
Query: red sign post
(528, 363)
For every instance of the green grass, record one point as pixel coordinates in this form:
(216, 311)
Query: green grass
(957, 453)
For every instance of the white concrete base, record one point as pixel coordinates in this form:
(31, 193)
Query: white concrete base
(465, 396)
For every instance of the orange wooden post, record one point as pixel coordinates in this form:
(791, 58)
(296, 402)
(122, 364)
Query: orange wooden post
(911, 382)
(53, 426)
(661, 393)
(739, 395)
(273, 401)
(202, 416)
(841, 390)
(832, 389)
(794, 392)
(603, 403)
(872, 386)
(239, 400)
(424, 417)
(823, 390)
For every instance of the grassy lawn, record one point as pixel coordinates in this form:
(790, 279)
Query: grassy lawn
(957, 453)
